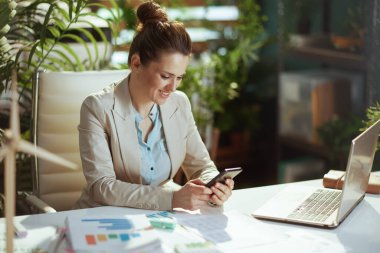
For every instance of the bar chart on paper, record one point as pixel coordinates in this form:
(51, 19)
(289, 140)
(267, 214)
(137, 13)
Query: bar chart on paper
(112, 226)
(116, 233)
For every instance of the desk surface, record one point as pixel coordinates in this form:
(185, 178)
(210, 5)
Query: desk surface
(359, 232)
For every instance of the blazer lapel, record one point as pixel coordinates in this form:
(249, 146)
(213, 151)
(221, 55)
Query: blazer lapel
(172, 135)
(126, 132)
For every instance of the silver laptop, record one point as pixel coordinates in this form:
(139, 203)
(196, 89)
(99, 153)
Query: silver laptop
(322, 206)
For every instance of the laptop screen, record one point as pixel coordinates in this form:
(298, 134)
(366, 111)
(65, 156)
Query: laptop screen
(359, 167)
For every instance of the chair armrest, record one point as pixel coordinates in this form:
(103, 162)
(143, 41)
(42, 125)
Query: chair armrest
(38, 203)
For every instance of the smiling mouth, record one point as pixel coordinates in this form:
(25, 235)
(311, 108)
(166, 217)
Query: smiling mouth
(165, 93)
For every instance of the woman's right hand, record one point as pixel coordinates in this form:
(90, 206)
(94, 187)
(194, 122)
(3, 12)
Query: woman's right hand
(192, 196)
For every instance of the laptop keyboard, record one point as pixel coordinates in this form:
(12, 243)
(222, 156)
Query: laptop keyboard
(318, 207)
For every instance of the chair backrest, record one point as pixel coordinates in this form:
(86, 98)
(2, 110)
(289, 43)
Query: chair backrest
(57, 97)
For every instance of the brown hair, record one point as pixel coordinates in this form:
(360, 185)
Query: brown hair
(156, 34)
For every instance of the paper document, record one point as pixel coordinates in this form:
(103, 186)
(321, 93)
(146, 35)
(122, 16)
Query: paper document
(301, 241)
(230, 231)
(111, 233)
(178, 235)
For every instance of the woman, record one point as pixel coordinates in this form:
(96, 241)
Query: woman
(135, 135)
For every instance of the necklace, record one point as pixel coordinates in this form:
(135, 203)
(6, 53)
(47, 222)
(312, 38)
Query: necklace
(150, 113)
(134, 104)
(147, 116)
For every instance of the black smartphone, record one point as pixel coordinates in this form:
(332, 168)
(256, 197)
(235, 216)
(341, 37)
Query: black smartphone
(223, 175)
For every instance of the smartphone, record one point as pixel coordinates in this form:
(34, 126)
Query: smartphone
(223, 175)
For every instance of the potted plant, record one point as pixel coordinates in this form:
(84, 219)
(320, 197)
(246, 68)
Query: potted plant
(36, 34)
(219, 77)
(336, 136)
(373, 115)
(41, 34)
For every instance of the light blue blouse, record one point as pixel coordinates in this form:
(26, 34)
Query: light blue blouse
(155, 161)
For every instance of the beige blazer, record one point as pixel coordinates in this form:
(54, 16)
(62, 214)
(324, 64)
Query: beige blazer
(111, 156)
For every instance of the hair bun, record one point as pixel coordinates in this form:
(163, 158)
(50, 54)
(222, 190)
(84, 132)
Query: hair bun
(151, 12)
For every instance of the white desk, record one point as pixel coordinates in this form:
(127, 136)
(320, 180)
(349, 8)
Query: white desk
(360, 232)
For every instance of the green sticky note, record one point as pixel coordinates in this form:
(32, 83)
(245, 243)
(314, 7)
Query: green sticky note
(163, 223)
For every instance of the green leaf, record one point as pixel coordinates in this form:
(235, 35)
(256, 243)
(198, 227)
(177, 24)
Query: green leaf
(26, 28)
(70, 10)
(115, 15)
(31, 53)
(69, 65)
(50, 67)
(94, 43)
(54, 31)
(5, 11)
(54, 61)
(113, 5)
(61, 25)
(103, 37)
(45, 25)
(62, 15)
(80, 66)
(78, 9)
(83, 43)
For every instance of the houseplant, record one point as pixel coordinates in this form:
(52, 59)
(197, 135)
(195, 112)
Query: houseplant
(373, 115)
(220, 77)
(336, 135)
(35, 35)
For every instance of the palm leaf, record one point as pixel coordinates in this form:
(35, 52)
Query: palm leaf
(81, 42)
(91, 38)
(5, 12)
(45, 25)
(61, 25)
(101, 35)
(79, 8)
(54, 31)
(50, 67)
(71, 10)
(54, 62)
(32, 50)
(69, 64)
(61, 14)
(78, 63)
(36, 32)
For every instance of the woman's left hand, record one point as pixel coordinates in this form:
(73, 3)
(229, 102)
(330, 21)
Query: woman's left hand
(221, 192)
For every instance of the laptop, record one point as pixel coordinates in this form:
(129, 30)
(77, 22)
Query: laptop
(325, 207)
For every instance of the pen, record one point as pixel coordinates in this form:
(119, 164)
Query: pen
(20, 230)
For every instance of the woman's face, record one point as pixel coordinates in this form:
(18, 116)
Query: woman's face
(160, 78)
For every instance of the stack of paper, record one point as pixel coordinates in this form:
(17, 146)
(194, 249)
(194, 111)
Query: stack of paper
(112, 233)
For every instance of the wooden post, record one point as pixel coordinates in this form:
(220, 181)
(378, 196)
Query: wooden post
(10, 196)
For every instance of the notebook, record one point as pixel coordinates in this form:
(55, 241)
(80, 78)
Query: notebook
(321, 206)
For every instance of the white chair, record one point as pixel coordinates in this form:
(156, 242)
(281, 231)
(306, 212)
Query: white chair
(57, 97)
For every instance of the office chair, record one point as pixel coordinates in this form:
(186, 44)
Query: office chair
(57, 97)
